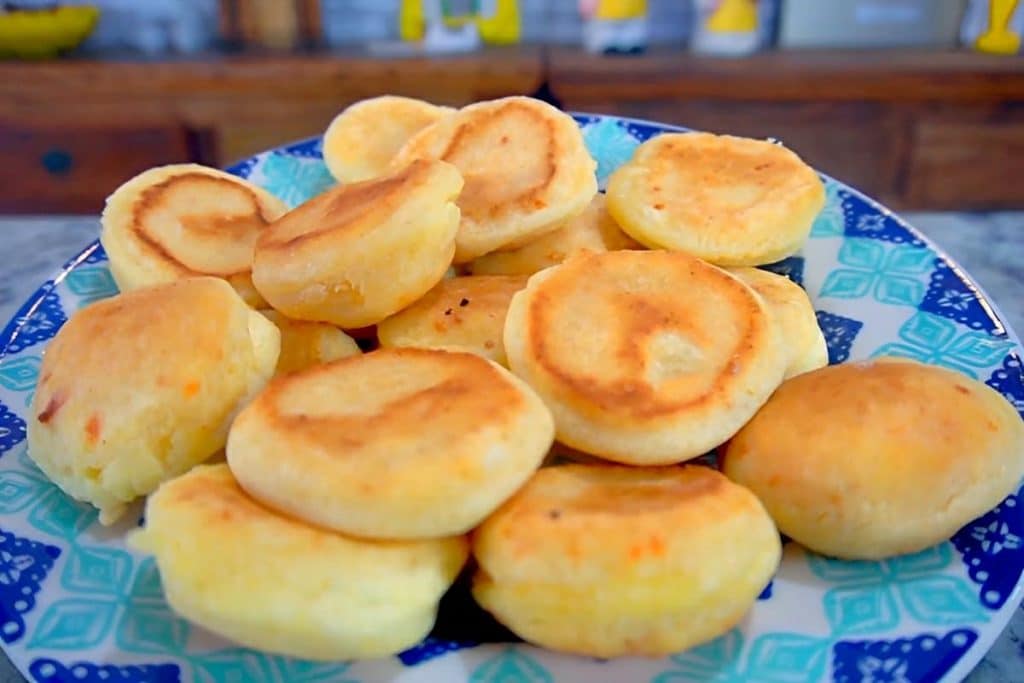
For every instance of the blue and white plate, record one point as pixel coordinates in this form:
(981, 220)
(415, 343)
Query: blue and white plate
(76, 605)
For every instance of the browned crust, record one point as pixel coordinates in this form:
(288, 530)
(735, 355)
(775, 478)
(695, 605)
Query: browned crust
(149, 200)
(637, 322)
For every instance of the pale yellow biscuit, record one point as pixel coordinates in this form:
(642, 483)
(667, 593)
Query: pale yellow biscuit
(460, 314)
(728, 200)
(361, 141)
(185, 220)
(305, 344)
(644, 357)
(140, 387)
(609, 561)
(398, 443)
(873, 459)
(358, 253)
(594, 230)
(526, 168)
(270, 582)
(794, 316)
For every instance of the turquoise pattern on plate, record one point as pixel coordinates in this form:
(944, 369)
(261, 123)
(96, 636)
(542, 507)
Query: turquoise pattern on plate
(75, 603)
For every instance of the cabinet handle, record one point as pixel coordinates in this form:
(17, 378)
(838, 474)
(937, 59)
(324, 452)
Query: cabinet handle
(57, 162)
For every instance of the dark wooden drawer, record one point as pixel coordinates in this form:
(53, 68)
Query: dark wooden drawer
(72, 170)
(967, 164)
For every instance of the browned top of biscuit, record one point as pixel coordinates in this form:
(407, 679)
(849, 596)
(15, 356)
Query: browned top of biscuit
(200, 224)
(664, 331)
(349, 209)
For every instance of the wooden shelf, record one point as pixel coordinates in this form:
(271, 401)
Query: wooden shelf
(917, 129)
(847, 75)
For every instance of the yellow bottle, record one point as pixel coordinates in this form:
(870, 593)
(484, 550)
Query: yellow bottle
(620, 10)
(496, 20)
(738, 16)
(999, 38)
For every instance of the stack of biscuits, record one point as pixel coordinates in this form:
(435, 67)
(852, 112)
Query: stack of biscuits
(463, 357)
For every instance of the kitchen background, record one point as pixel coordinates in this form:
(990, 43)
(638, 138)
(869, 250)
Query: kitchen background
(909, 100)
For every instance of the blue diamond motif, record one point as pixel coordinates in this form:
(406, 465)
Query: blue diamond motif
(941, 600)
(924, 658)
(864, 254)
(24, 565)
(19, 490)
(20, 373)
(843, 571)
(840, 332)
(847, 284)
(147, 586)
(992, 547)
(232, 666)
(58, 515)
(295, 180)
(950, 295)
(94, 283)
(831, 222)
(932, 560)
(429, 649)
(300, 671)
(934, 340)
(899, 291)
(511, 666)
(103, 571)
(861, 609)
(786, 658)
(611, 144)
(12, 429)
(52, 671)
(792, 267)
(37, 321)
(1009, 381)
(712, 661)
(152, 629)
(74, 624)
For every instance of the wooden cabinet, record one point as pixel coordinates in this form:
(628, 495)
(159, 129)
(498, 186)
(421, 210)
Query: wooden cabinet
(917, 129)
(67, 169)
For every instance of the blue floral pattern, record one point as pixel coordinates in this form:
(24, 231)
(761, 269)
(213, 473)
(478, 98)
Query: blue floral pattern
(76, 604)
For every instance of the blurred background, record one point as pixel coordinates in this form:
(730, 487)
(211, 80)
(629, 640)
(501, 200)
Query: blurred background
(917, 102)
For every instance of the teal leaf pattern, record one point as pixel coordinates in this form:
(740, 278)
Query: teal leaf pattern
(894, 275)
(20, 373)
(610, 144)
(102, 571)
(74, 624)
(511, 666)
(932, 339)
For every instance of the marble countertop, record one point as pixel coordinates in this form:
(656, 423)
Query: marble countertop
(990, 246)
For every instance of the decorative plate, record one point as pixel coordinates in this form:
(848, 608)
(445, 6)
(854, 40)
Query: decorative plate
(76, 605)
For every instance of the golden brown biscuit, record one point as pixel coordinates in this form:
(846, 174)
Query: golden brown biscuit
(879, 458)
(358, 253)
(140, 387)
(794, 316)
(607, 561)
(594, 229)
(461, 314)
(362, 140)
(644, 357)
(185, 220)
(728, 200)
(272, 583)
(398, 443)
(525, 165)
(305, 344)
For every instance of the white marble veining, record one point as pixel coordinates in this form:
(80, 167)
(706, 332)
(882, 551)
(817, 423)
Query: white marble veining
(990, 246)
